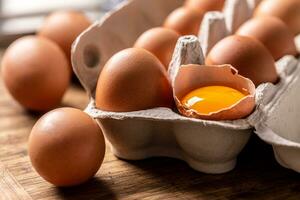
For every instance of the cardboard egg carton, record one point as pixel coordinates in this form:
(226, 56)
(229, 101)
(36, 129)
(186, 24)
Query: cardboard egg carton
(207, 146)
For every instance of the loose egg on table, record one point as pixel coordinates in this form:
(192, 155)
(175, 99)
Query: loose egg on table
(63, 27)
(273, 33)
(159, 41)
(66, 147)
(133, 79)
(287, 10)
(184, 21)
(35, 72)
(248, 55)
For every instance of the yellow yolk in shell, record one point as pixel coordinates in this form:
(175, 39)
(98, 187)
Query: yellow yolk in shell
(209, 99)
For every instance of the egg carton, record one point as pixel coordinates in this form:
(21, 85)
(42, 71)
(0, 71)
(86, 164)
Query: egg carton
(207, 146)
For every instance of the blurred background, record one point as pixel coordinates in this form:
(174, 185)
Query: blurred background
(21, 17)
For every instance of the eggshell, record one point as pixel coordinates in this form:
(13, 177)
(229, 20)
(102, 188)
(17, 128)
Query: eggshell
(205, 5)
(133, 79)
(185, 21)
(249, 56)
(273, 33)
(63, 27)
(287, 10)
(35, 72)
(66, 147)
(159, 41)
(191, 77)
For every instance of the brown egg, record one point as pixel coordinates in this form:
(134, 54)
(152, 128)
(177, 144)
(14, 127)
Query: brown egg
(63, 27)
(205, 5)
(66, 147)
(133, 79)
(273, 33)
(184, 21)
(249, 56)
(287, 10)
(159, 41)
(191, 77)
(35, 72)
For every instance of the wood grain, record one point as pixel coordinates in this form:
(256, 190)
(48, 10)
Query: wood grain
(257, 175)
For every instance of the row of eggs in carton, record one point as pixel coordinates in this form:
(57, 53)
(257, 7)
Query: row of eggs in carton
(206, 145)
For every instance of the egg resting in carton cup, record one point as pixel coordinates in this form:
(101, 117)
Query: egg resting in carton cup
(207, 146)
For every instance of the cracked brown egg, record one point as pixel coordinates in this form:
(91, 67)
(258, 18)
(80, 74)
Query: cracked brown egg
(185, 21)
(159, 41)
(213, 92)
(205, 5)
(273, 33)
(66, 147)
(35, 72)
(248, 55)
(287, 10)
(133, 79)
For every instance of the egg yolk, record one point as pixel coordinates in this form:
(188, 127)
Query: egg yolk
(210, 99)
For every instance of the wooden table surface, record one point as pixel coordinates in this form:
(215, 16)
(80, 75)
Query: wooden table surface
(257, 175)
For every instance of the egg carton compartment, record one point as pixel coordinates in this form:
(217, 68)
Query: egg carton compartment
(207, 146)
(276, 119)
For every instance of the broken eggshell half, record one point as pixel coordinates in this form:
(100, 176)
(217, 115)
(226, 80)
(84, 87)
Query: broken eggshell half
(192, 76)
